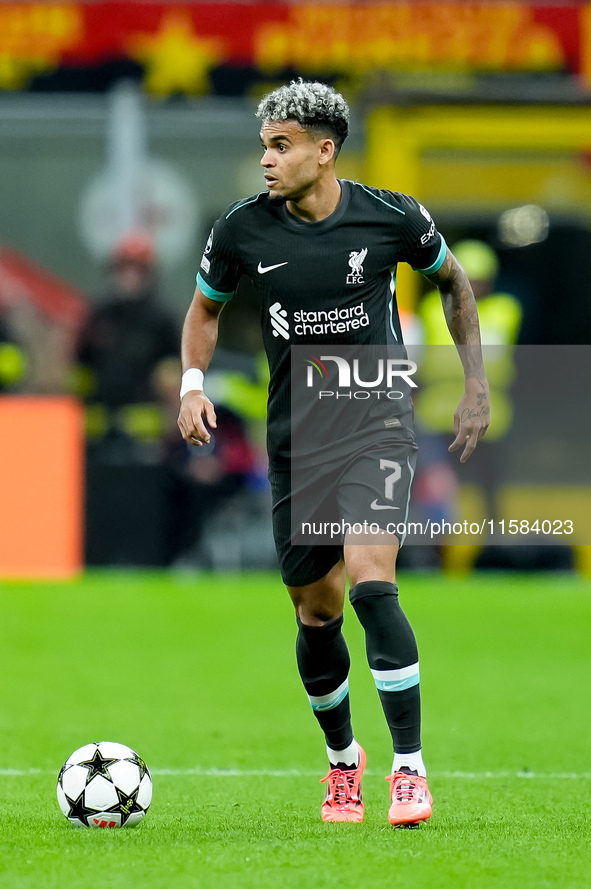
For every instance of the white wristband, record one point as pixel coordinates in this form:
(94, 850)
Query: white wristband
(192, 379)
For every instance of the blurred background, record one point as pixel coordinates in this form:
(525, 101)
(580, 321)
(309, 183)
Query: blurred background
(126, 129)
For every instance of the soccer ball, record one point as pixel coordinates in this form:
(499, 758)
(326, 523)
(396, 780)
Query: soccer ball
(104, 785)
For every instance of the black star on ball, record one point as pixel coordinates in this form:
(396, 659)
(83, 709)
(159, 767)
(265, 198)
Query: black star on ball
(142, 766)
(98, 765)
(79, 810)
(128, 804)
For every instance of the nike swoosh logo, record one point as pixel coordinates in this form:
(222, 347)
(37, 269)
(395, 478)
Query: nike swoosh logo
(262, 270)
(376, 505)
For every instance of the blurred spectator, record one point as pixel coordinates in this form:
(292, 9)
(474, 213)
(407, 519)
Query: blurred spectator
(13, 363)
(40, 317)
(229, 465)
(500, 321)
(127, 336)
(129, 373)
(201, 480)
(129, 333)
(441, 381)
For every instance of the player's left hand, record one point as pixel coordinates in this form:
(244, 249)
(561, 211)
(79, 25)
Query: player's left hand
(471, 418)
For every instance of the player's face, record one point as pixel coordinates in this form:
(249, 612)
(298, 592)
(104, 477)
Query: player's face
(292, 158)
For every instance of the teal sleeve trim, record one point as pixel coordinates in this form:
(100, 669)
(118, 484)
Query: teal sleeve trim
(211, 293)
(438, 262)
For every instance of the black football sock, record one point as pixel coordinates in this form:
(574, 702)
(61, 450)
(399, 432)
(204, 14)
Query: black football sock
(393, 659)
(323, 662)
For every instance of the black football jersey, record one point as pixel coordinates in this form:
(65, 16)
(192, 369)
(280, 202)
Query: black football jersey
(321, 284)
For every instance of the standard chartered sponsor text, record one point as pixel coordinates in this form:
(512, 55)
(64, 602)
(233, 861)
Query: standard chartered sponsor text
(337, 320)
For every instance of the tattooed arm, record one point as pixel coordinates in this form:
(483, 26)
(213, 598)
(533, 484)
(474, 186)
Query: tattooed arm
(472, 415)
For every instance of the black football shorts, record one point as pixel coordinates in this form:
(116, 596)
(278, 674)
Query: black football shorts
(315, 508)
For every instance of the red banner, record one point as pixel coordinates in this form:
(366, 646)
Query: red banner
(178, 45)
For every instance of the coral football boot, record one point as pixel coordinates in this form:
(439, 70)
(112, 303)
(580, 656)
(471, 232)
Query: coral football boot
(411, 800)
(343, 801)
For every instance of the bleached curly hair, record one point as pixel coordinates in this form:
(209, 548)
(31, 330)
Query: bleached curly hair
(315, 106)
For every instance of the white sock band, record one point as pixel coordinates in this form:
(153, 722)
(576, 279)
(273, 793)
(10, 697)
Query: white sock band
(192, 379)
(412, 761)
(349, 756)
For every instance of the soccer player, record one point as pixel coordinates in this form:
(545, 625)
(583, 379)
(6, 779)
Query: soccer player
(318, 249)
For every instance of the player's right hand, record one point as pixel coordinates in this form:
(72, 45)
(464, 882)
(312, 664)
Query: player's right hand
(195, 407)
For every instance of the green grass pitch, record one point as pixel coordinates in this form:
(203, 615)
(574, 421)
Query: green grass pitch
(198, 675)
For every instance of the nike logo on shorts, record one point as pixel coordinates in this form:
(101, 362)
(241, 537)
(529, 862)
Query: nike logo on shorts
(262, 270)
(376, 505)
